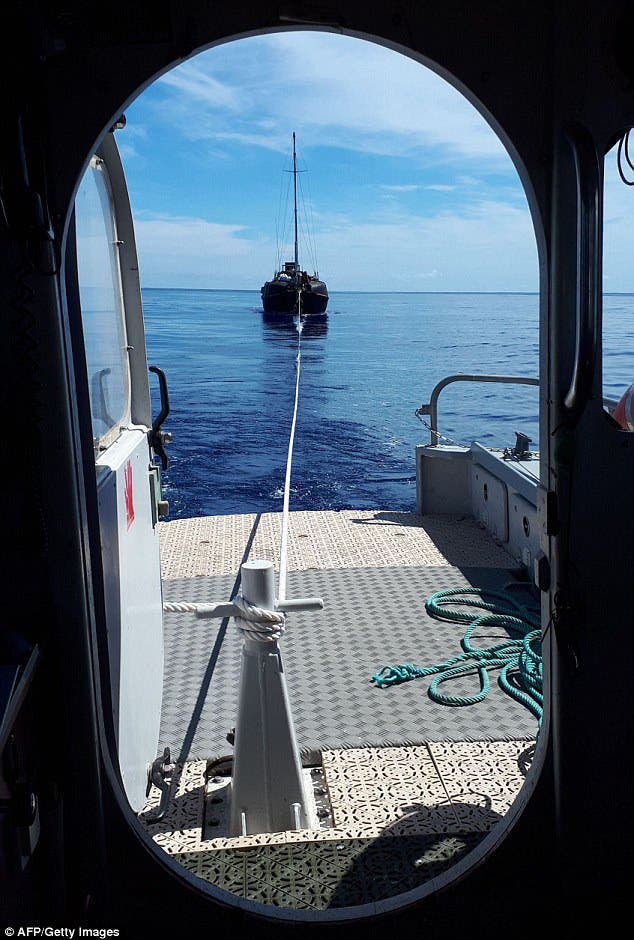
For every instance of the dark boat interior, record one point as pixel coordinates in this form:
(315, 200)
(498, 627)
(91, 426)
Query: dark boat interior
(555, 80)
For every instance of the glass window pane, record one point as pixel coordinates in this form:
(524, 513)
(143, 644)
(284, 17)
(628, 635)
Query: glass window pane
(102, 306)
(618, 282)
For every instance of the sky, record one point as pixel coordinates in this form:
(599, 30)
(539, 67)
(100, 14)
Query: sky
(403, 185)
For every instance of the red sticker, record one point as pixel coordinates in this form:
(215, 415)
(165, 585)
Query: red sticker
(129, 505)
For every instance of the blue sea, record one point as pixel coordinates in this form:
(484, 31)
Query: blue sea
(364, 372)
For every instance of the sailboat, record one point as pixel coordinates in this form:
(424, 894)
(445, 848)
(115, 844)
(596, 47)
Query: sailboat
(293, 291)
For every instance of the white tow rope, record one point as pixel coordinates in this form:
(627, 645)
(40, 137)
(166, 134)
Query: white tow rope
(289, 460)
(256, 621)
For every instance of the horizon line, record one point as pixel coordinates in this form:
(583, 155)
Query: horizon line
(256, 290)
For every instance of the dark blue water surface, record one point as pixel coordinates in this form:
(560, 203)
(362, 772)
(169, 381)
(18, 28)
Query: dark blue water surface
(364, 372)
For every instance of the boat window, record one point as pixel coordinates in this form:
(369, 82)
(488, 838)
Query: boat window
(102, 305)
(319, 809)
(618, 282)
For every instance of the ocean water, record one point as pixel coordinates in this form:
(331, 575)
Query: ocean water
(364, 372)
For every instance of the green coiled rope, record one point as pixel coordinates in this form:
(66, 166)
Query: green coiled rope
(519, 660)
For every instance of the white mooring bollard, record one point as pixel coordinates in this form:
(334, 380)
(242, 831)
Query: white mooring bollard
(268, 792)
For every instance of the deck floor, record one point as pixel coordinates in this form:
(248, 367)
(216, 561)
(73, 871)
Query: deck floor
(396, 768)
(217, 545)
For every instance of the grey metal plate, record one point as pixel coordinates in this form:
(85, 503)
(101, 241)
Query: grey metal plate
(373, 617)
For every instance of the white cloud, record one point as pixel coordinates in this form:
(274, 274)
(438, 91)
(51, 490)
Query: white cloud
(423, 275)
(198, 85)
(177, 251)
(618, 230)
(489, 246)
(130, 143)
(127, 151)
(339, 92)
(346, 92)
(404, 188)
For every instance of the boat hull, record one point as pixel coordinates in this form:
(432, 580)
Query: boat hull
(282, 298)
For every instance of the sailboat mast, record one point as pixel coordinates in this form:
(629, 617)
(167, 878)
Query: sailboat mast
(295, 200)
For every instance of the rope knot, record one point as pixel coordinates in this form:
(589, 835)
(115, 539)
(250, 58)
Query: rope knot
(258, 623)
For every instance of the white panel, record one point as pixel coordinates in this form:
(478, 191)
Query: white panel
(442, 479)
(523, 530)
(490, 502)
(134, 607)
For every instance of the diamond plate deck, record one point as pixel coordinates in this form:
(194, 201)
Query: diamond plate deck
(410, 786)
(372, 617)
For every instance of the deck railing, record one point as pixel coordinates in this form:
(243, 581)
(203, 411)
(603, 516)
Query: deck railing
(431, 408)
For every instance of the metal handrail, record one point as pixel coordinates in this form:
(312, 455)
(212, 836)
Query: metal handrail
(431, 408)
